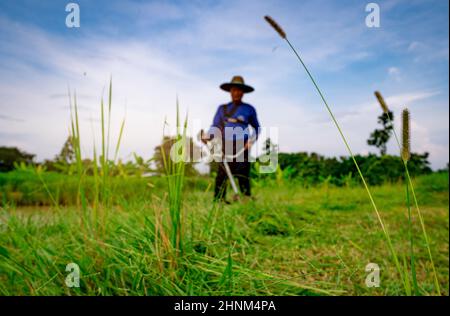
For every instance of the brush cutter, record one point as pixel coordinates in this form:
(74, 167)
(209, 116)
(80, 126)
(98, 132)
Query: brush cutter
(215, 146)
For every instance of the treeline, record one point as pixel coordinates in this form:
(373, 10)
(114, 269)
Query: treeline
(312, 168)
(303, 167)
(12, 158)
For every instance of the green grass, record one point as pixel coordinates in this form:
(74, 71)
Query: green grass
(290, 241)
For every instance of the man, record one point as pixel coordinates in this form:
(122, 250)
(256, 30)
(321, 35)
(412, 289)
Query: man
(233, 120)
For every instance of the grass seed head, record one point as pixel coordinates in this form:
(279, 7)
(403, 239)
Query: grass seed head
(381, 101)
(275, 26)
(405, 135)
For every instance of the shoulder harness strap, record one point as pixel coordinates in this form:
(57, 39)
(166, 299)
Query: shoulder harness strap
(229, 115)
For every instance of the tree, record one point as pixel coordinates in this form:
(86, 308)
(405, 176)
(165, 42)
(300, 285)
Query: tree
(64, 161)
(380, 137)
(67, 153)
(166, 145)
(11, 155)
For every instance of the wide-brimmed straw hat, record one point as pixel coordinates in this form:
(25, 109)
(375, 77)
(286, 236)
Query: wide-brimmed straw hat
(238, 82)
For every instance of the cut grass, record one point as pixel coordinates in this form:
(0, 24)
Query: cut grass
(324, 254)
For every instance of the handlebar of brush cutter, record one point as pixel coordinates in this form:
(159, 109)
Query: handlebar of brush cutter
(225, 158)
(215, 142)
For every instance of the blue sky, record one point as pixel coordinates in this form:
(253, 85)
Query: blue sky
(156, 50)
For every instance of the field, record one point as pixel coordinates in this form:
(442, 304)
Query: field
(114, 190)
(289, 240)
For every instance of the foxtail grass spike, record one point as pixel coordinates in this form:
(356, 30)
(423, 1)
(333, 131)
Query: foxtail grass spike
(275, 26)
(381, 101)
(419, 213)
(405, 135)
(380, 220)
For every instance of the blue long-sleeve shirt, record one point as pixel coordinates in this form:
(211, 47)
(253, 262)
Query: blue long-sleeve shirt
(243, 117)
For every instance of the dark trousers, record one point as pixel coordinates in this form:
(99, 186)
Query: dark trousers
(240, 171)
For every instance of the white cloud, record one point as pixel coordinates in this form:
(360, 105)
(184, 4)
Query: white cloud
(401, 100)
(394, 72)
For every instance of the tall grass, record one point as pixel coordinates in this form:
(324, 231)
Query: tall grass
(282, 34)
(94, 216)
(174, 167)
(405, 154)
(76, 144)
